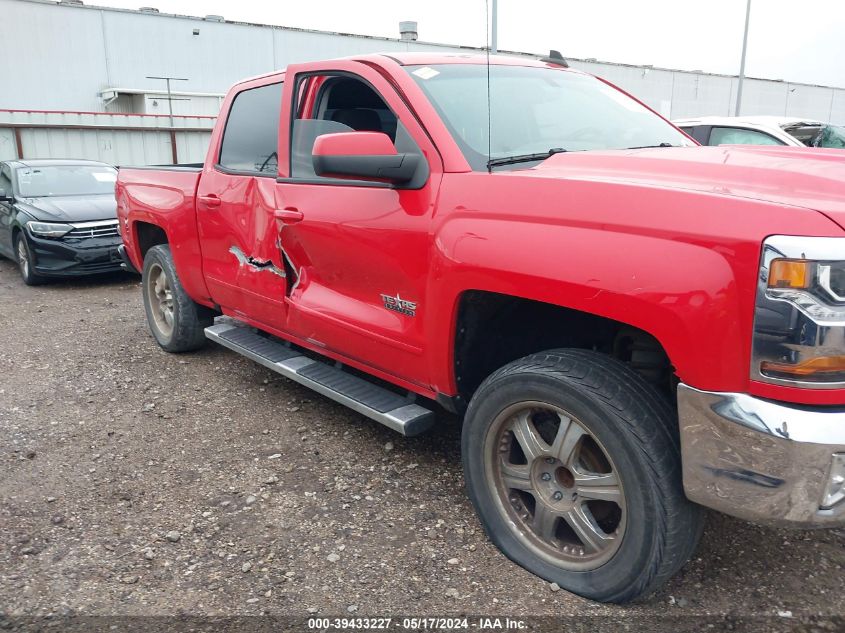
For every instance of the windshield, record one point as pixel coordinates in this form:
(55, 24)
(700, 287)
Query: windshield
(535, 110)
(65, 180)
(832, 136)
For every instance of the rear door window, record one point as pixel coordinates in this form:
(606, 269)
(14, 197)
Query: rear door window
(252, 131)
(689, 130)
(741, 136)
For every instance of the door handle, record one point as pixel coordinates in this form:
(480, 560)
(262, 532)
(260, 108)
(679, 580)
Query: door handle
(210, 200)
(288, 215)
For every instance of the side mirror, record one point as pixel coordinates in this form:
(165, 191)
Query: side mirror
(5, 197)
(364, 155)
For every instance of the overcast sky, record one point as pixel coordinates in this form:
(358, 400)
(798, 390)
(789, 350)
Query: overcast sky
(791, 40)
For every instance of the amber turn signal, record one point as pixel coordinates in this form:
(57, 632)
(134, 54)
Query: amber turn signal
(789, 273)
(818, 366)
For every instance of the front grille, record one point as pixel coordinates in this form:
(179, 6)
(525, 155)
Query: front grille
(99, 267)
(93, 229)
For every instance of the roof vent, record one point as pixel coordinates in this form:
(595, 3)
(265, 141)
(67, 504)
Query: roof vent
(76, 2)
(214, 18)
(408, 31)
(148, 10)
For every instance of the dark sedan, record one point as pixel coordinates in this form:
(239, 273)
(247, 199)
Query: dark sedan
(58, 218)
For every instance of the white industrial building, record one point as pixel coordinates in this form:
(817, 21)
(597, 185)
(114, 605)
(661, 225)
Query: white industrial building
(76, 79)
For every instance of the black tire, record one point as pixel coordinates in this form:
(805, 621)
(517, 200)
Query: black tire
(634, 426)
(26, 262)
(187, 318)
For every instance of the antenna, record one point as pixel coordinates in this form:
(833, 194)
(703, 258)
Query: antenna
(489, 109)
(554, 57)
(170, 98)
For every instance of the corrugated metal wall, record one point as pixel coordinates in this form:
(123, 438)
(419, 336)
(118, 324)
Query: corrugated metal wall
(111, 138)
(117, 49)
(679, 94)
(7, 144)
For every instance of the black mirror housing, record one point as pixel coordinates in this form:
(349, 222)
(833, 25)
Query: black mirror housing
(396, 168)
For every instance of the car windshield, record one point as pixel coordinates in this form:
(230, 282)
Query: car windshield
(832, 136)
(537, 110)
(65, 180)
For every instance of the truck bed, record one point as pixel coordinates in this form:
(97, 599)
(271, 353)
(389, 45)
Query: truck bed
(162, 198)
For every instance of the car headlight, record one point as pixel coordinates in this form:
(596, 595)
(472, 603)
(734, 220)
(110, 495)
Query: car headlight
(799, 319)
(48, 229)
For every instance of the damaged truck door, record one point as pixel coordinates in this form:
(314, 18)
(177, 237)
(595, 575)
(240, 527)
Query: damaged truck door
(361, 247)
(236, 210)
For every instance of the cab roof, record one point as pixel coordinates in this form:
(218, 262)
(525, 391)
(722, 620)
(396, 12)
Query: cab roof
(431, 59)
(428, 59)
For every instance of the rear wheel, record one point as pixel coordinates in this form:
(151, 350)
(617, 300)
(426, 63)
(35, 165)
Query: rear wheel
(26, 262)
(573, 468)
(176, 321)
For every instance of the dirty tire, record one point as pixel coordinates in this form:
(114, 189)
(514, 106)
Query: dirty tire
(26, 262)
(635, 427)
(182, 330)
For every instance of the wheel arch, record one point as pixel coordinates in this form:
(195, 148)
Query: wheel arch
(146, 235)
(492, 329)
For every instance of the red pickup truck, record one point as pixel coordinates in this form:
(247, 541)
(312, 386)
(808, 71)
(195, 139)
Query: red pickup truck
(631, 326)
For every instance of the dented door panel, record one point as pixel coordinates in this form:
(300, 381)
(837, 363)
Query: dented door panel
(241, 257)
(359, 257)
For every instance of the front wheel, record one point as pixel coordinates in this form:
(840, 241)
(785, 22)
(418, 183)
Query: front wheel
(176, 321)
(26, 262)
(574, 470)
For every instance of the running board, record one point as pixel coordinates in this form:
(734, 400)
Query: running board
(382, 405)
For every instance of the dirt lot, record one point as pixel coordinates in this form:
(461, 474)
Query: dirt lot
(137, 482)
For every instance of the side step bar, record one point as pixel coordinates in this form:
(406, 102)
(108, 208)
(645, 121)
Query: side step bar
(382, 405)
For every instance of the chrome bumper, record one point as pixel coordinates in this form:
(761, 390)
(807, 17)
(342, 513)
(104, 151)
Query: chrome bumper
(763, 461)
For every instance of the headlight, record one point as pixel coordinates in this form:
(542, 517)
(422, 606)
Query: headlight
(48, 229)
(799, 320)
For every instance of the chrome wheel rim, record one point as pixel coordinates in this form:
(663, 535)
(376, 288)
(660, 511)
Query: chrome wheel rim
(556, 485)
(160, 298)
(23, 258)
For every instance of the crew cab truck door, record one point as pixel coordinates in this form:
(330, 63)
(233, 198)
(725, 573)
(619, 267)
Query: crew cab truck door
(235, 205)
(357, 248)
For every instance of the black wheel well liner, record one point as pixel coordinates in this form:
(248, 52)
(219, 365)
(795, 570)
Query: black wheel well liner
(148, 235)
(494, 329)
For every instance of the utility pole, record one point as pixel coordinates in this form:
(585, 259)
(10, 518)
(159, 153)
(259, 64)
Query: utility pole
(742, 63)
(494, 26)
(170, 97)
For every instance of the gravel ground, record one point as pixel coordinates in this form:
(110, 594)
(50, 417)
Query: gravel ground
(137, 482)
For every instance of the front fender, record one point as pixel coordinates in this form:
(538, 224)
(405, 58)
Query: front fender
(679, 265)
(701, 320)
